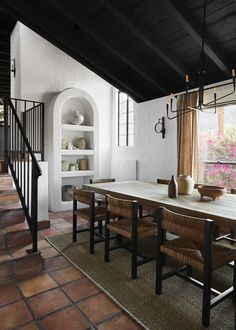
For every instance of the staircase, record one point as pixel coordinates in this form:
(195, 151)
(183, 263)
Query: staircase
(15, 260)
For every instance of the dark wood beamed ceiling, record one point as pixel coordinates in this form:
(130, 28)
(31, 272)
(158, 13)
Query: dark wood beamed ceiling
(179, 12)
(119, 49)
(140, 30)
(141, 47)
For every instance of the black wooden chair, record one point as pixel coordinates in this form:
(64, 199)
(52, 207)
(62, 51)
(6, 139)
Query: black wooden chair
(128, 226)
(194, 248)
(100, 199)
(92, 213)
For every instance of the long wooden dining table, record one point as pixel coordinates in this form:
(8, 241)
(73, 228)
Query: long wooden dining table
(153, 195)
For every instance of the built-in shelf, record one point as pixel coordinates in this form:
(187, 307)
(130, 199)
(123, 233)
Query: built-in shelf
(77, 152)
(63, 134)
(67, 174)
(81, 128)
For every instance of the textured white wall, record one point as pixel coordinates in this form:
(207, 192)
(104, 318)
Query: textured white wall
(45, 70)
(156, 157)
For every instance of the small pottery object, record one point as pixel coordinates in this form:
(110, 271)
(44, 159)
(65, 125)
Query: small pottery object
(64, 165)
(63, 144)
(83, 164)
(81, 143)
(185, 184)
(72, 167)
(211, 191)
(172, 188)
(76, 118)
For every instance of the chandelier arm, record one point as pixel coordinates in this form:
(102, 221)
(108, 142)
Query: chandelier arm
(220, 98)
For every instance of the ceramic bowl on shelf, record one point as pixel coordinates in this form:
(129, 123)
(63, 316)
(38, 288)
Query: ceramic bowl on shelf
(211, 191)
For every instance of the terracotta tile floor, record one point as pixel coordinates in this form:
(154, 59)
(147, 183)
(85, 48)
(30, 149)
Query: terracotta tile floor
(60, 298)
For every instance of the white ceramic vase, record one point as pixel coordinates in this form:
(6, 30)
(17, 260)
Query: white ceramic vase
(76, 118)
(185, 184)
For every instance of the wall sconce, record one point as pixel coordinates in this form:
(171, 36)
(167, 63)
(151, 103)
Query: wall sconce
(160, 127)
(13, 67)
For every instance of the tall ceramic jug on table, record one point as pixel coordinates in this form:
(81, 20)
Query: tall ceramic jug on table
(185, 184)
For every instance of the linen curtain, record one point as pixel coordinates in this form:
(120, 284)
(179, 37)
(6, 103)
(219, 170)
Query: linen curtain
(187, 138)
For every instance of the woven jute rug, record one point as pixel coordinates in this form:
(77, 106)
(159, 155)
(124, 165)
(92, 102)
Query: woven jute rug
(179, 306)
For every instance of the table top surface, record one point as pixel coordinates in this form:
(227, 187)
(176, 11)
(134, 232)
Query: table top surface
(222, 210)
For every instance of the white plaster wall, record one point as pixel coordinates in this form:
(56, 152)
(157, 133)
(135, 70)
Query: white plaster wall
(45, 71)
(156, 157)
(15, 54)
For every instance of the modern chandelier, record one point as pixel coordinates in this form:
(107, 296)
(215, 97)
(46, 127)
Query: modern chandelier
(216, 102)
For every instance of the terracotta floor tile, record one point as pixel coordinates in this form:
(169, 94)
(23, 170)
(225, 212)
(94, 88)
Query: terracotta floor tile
(47, 302)
(30, 326)
(56, 221)
(66, 275)
(37, 284)
(14, 315)
(122, 321)
(56, 263)
(4, 256)
(98, 307)
(68, 318)
(42, 244)
(48, 232)
(63, 227)
(80, 289)
(49, 252)
(9, 293)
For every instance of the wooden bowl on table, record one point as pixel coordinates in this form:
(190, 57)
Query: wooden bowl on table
(211, 191)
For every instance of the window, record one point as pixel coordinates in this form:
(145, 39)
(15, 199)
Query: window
(125, 120)
(217, 147)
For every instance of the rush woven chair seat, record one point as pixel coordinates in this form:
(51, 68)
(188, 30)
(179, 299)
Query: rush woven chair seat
(129, 226)
(194, 248)
(92, 213)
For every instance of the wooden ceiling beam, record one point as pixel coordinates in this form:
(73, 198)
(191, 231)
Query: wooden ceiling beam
(119, 49)
(142, 32)
(42, 24)
(179, 12)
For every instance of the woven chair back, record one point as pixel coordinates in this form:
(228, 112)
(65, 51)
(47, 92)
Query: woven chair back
(121, 207)
(184, 226)
(83, 196)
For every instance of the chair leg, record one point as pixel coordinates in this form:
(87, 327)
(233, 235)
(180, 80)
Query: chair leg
(74, 226)
(107, 245)
(206, 297)
(134, 258)
(100, 227)
(91, 232)
(159, 270)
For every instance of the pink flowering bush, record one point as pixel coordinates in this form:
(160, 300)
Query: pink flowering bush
(218, 147)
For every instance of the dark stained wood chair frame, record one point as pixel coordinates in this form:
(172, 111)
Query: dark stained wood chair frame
(134, 239)
(91, 229)
(185, 272)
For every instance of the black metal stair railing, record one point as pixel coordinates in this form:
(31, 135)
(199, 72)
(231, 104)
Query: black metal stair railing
(32, 119)
(24, 167)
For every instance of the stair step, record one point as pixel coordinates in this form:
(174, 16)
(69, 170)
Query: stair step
(20, 267)
(11, 214)
(8, 196)
(19, 234)
(6, 180)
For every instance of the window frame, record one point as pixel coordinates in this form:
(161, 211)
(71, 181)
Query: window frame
(127, 112)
